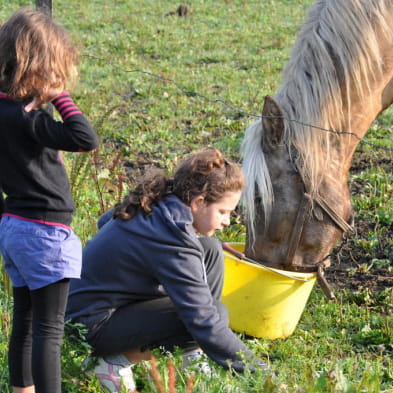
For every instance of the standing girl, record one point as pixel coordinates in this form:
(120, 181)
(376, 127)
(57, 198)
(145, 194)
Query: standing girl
(41, 252)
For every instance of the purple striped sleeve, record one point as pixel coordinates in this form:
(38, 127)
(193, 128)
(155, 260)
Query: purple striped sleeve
(65, 106)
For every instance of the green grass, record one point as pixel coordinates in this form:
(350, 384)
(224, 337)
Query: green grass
(156, 86)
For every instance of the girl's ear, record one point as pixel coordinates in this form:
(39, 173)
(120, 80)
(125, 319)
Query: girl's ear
(197, 202)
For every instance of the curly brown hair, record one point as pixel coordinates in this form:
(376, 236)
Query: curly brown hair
(204, 172)
(36, 56)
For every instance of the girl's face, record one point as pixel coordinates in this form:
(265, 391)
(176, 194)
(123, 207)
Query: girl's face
(213, 217)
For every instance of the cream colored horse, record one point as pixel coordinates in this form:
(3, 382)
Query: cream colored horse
(339, 77)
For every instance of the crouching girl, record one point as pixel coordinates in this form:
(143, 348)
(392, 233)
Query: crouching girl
(152, 276)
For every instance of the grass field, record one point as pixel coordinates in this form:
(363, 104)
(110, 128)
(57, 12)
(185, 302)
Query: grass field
(156, 86)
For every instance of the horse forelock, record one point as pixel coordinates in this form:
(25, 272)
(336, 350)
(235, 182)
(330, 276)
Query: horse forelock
(255, 168)
(337, 53)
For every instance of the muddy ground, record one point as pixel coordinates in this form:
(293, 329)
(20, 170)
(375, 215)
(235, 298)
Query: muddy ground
(352, 266)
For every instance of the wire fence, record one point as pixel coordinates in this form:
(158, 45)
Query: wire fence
(195, 94)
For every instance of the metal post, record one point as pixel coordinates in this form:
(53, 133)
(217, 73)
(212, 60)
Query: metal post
(44, 5)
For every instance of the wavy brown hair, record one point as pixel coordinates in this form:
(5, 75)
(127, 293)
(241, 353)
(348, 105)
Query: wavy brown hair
(36, 56)
(204, 172)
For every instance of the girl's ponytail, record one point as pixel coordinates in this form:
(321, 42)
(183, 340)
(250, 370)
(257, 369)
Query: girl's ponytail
(153, 187)
(204, 172)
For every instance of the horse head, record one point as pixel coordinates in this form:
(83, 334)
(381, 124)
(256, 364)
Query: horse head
(297, 156)
(294, 227)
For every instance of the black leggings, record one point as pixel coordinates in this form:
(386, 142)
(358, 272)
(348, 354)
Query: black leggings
(155, 323)
(36, 338)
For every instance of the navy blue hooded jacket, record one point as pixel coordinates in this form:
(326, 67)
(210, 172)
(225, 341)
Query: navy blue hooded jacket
(148, 257)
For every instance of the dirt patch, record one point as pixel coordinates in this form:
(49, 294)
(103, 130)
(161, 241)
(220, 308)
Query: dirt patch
(354, 267)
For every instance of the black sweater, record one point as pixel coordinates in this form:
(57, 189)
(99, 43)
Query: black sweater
(32, 174)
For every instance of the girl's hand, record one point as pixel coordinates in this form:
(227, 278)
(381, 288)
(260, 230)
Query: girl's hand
(32, 105)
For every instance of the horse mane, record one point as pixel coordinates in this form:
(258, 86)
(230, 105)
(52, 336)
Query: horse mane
(336, 53)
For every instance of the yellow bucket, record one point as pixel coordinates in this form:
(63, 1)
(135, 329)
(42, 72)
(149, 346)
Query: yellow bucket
(263, 303)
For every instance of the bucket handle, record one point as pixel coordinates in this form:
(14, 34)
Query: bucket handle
(242, 256)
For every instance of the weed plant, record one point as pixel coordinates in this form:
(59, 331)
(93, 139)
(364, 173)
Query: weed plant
(156, 86)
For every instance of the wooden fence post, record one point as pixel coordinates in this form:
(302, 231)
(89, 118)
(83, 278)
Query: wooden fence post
(44, 5)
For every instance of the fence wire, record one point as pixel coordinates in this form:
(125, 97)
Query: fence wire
(193, 93)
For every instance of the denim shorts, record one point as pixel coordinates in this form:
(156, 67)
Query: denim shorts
(36, 255)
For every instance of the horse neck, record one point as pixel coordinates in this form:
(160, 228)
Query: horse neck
(365, 111)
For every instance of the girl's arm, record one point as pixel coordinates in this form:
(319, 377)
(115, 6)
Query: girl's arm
(74, 133)
(181, 274)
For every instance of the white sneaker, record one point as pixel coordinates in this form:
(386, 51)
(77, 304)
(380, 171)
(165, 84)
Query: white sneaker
(196, 360)
(114, 378)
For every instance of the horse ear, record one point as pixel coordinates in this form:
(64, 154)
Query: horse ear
(273, 123)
